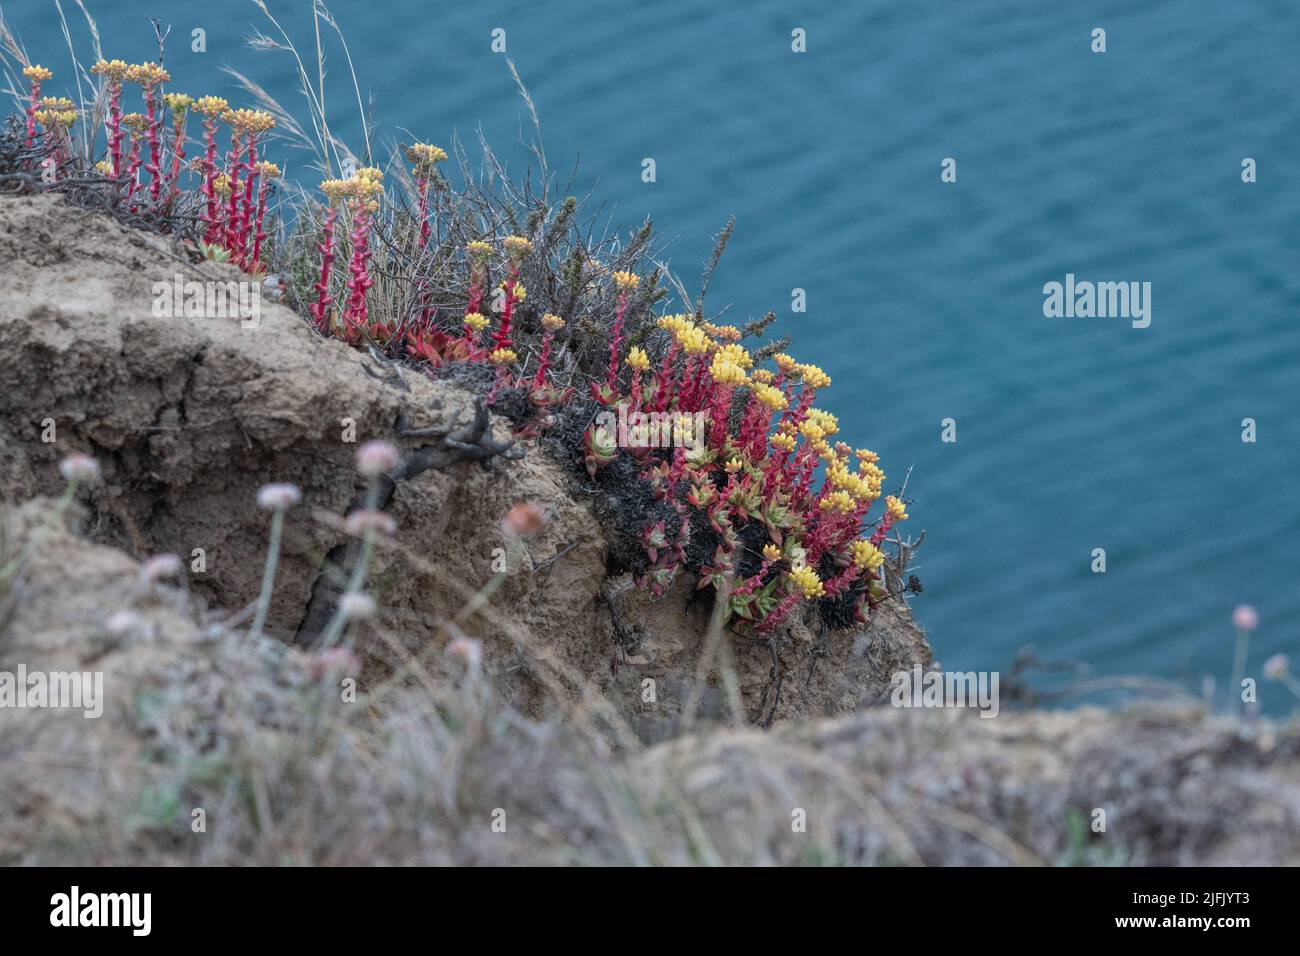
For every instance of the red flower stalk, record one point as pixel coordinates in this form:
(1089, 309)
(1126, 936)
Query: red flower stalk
(664, 380)
(234, 165)
(748, 585)
(153, 134)
(474, 321)
(335, 191)
(842, 580)
(625, 282)
(179, 104)
(36, 74)
(211, 107)
(550, 325)
(422, 196)
(355, 312)
(114, 125)
(113, 73)
(149, 76)
(246, 206)
(779, 613)
(319, 309)
(137, 124)
(425, 158)
(267, 172)
(636, 389)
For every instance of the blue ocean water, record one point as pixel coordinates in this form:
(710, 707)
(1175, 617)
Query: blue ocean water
(924, 298)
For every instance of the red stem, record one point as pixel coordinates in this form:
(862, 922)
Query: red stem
(326, 248)
(31, 113)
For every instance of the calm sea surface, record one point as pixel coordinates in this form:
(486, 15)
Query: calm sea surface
(925, 299)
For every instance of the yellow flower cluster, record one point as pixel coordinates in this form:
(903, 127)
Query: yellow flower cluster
(827, 422)
(863, 486)
(222, 184)
(503, 357)
(553, 323)
(839, 501)
(178, 103)
(136, 122)
(424, 156)
(692, 340)
(38, 73)
(674, 323)
(737, 354)
(725, 371)
(785, 363)
(810, 430)
(771, 396)
(267, 170)
(866, 555)
(637, 359)
(771, 552)
(147, 75)
(784, 441)
(517, 247)
(476, 321)
(335, 189)
(56, 119)
(112, 70)
(479, 249)
(211, 105)
(813, 377)
(626, 281)
(806, 580)
(251, 121)
(896, 510)
(364, 189)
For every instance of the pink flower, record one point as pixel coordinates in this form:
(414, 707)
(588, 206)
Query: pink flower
(79, 468)
(161, 566)
(1245, 618)
(1277, 667)
(278, 497)
(374, 458)
(467, 649)
(524, 519)
(356, 607)
(334, 660)
(369, 519)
